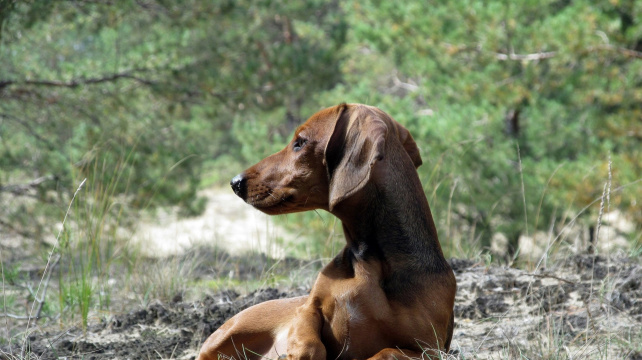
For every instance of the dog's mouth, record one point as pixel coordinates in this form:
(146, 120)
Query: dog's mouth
(270, 201)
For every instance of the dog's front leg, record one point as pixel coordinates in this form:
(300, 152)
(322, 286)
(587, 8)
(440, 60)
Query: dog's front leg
(304, 338)
(404, 354)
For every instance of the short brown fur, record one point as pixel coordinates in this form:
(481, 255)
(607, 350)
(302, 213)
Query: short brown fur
(389, 294)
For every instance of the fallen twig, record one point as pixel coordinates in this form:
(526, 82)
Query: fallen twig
(553, 277)
(41, 301)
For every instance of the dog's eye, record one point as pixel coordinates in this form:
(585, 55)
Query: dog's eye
(299, 144)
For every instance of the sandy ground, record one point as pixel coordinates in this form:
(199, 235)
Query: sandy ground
(586, 308)
(228, 222)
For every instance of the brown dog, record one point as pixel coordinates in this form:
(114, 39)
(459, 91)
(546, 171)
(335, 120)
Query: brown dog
(390, 293)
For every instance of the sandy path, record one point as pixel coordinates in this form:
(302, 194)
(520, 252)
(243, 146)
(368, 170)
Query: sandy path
(227, 222)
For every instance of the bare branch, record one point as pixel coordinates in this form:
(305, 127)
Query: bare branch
(42, 300)
(622, 50)
(526, 57)
(11, 316)
(19, 189)
(544, 276)
(78, 82)
(23, 317)
(100, 2)
(549, 54)
(30, 129)
(152, 6)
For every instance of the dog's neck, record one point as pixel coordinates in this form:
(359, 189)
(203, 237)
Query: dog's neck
(390, 220)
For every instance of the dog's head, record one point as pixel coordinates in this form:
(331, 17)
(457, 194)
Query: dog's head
(329, 159)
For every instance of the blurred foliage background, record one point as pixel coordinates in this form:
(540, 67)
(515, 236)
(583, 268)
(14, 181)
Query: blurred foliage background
(518, 107)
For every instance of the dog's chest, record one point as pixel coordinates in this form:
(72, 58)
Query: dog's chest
(354, 331)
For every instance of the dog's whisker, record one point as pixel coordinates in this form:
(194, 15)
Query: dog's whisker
(320, 217)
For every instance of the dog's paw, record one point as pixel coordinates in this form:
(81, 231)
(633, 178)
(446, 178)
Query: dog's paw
(306, 350)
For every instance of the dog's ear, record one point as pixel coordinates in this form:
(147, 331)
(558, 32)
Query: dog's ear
(409, 144)
(356, 144)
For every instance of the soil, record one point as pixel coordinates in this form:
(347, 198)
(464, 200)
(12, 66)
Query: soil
(586, 307)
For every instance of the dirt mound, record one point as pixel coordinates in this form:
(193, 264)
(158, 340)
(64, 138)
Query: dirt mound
(589, 306)
(586, 307)
(161, 330)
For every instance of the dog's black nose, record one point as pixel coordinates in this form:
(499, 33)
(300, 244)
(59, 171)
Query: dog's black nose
(238, 184)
